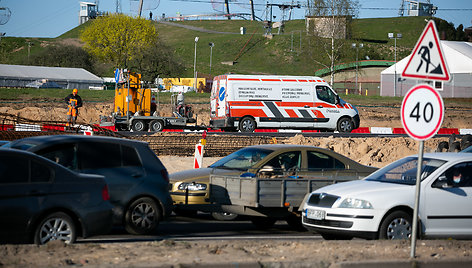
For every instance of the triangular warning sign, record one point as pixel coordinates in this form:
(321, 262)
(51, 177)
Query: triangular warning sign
(427, 60)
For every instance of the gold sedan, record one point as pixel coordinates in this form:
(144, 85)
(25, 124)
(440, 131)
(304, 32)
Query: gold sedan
(190, 188)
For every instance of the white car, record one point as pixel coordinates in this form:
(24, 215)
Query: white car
(381, 205)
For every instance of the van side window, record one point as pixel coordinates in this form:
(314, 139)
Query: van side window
(95, 155)
(317, 161)
(324, 93)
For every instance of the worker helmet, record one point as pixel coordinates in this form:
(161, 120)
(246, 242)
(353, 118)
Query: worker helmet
(75, 90)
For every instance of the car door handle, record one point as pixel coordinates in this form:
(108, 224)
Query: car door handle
(319, 106)
(306, 106)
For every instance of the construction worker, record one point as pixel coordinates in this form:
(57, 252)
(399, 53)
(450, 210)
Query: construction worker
(74, 102)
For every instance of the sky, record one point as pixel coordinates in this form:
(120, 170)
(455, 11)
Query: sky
(51, 18)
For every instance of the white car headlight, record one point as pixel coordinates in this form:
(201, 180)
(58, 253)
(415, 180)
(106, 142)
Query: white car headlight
(192, 186)
(355, 203)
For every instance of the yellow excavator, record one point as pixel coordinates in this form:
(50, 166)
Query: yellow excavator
(135, 109)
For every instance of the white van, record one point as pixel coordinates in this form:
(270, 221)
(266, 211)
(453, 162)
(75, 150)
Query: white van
(247, 102)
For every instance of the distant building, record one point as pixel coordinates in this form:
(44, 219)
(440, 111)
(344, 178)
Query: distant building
(21, 76)
(324, 26)
(417, 8)
(459, 60)
(87, 11)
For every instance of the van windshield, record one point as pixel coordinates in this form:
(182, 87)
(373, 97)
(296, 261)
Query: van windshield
(243, 159)
(404, 170)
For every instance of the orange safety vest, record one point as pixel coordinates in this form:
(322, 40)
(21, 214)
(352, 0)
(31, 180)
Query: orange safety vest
(71, 110)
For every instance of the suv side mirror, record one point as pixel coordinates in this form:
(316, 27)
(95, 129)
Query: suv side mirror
(338, 100)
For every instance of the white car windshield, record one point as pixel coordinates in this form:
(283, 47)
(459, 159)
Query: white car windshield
(404, 170)
(242, 159)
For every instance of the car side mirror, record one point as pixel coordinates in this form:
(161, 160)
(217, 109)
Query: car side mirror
(338, 100)
(441, 183)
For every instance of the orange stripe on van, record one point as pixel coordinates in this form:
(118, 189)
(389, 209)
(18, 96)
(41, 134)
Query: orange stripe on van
(325, 105)
(318, 114)
(270, 80)
(291, 113)
(292, 104)
(245, 103)
(302, 80)
(244, 79)
(242, 112)
(289, 80)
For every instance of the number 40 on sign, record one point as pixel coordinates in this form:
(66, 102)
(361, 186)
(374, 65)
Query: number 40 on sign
(422, 112)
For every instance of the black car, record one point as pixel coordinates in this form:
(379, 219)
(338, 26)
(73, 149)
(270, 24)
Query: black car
(41, 201)
(138, 181)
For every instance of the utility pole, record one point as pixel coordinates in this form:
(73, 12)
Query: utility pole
(140, 8)
(227, 9)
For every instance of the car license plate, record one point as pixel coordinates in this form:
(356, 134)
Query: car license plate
(315, 214)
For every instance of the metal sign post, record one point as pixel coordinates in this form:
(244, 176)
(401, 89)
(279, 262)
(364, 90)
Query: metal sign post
(422, 113)
(414, 230)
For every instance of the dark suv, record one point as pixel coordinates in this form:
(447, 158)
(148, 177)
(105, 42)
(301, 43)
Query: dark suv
(138, 181)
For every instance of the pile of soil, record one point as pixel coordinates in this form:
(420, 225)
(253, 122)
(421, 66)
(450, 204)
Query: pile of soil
(371, 116)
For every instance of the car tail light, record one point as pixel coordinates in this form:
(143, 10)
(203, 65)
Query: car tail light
(105, 194)
(228, 110)
(165, 175)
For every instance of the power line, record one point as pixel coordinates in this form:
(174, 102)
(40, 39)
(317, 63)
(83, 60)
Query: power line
(305, 5)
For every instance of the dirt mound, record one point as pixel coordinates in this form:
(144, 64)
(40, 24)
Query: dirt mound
(376, 152)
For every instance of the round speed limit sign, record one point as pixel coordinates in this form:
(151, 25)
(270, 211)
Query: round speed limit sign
(422, 112)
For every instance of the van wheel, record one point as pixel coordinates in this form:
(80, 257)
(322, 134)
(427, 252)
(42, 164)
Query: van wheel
(138, 125)
(345, 125)
(156, 125)
(247, 124)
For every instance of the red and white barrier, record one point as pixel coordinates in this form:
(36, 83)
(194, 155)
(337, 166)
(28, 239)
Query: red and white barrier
(199, 150)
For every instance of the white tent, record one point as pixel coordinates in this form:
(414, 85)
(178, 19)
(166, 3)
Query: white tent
(22, 75)
(458, 56)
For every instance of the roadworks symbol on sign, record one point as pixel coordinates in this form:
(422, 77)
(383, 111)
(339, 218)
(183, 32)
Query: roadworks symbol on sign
(427, 60)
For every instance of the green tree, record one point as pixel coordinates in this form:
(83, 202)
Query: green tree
(118, 38)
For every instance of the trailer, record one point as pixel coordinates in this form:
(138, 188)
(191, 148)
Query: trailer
(267, 200)
(135, 109)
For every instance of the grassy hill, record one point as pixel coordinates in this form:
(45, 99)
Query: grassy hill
(286, 53)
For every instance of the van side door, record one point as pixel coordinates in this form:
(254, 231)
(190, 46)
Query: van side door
(297, 106)
(325, 107)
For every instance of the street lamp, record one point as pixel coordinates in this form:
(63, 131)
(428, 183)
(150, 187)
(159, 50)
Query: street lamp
(357, 46)
(211, 52)
(395, 37)
(195, 65)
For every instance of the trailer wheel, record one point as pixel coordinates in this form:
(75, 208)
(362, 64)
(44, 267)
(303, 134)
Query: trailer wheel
(247, 124)
(156, 125)
(138, 125)
(345, 125)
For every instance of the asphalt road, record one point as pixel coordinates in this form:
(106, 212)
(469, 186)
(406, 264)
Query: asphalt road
(203, 227)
